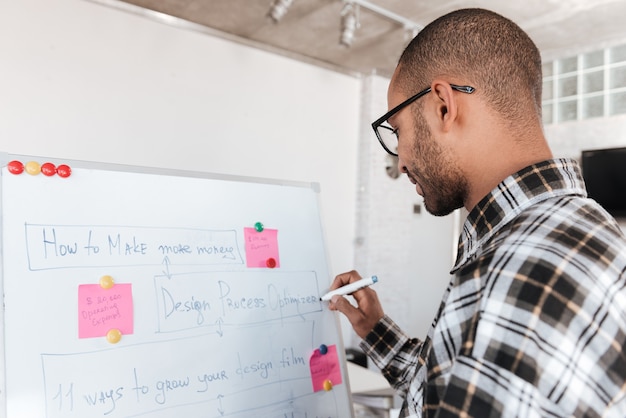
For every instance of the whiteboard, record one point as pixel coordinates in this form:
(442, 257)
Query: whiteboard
(219, 316)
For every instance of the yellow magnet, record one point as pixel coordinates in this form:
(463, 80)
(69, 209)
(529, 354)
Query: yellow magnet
(106, 282)
(114, 336)
(33, 168)
(328, 385)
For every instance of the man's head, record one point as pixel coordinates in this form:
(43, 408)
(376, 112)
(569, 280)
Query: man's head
(480, 120)
(485, 50)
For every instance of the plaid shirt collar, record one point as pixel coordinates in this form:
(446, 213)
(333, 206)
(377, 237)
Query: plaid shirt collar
(533, 184)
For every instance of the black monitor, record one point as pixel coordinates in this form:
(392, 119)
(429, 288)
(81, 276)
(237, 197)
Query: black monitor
(604, 171)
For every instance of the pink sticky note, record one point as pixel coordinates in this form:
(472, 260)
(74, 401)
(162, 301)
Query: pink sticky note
(100, 310)
(261, 248)
(325, 367)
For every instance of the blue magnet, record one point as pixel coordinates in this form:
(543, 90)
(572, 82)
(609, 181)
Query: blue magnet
(323, 349)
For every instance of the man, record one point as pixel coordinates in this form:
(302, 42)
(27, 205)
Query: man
(533, 323)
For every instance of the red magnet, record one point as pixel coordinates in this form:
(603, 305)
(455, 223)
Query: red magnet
(270, 262)
(15, 167)
(64, 170)
(48, 169)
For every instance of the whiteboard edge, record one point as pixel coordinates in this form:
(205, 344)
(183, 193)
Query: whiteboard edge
(98, 165)
(3, 390)
(342, 348)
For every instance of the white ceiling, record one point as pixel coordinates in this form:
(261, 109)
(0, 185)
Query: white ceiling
(310, 29)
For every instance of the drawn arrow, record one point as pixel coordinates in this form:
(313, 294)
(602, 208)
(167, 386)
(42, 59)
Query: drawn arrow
(219, 408)
(166, 261)
(219, 323)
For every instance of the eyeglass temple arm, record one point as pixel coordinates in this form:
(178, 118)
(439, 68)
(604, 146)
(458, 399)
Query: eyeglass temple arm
(463, 89)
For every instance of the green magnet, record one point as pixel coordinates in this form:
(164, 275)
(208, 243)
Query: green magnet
(258, 226)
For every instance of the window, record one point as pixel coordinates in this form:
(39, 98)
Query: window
(588, 85)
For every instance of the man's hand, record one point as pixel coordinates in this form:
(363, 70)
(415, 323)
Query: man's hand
(368, 311)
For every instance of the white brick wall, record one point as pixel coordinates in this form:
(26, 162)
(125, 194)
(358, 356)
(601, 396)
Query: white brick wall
(391, 241)
(570, 138)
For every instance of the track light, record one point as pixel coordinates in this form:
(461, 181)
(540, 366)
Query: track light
(278, 9)
(349, 24)
(350, 20)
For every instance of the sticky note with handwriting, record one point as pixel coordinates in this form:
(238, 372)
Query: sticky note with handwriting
(325, 367)
(261, 247)
(100, 310)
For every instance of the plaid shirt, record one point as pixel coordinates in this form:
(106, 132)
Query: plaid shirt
(533, 322)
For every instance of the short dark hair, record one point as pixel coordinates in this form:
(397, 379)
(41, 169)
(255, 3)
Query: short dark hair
(482, 49)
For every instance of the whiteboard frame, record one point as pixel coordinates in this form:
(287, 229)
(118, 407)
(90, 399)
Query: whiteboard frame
(5, 158)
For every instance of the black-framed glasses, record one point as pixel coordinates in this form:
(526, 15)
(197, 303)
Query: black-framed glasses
(387, 136)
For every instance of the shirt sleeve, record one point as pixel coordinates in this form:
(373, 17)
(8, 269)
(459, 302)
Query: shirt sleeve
(398, 356)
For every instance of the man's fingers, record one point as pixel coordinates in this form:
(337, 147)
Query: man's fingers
(344, 279)
(341, 304)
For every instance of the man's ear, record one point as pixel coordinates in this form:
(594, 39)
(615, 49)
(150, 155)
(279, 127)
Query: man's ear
(447, 110)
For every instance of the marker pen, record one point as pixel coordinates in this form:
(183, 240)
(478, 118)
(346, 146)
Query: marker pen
(350, 288)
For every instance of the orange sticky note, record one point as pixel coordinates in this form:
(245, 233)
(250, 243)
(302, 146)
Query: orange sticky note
(260, 247)
(100, 310)
(325, 367)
